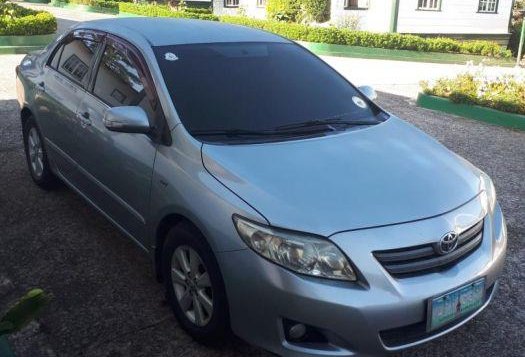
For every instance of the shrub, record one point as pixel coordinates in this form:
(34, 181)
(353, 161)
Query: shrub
(283, 10)
(318, 10)
(162, 11)
(198, 10)
(505, 93)
(515, 28)
(19, 21)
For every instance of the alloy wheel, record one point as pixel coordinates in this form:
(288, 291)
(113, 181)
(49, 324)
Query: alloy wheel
(192, 285)
(36, 154)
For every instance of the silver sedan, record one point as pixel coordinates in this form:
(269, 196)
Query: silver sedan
(276, 200)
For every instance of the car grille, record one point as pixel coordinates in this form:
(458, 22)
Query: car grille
(424, 258)
(406, 335)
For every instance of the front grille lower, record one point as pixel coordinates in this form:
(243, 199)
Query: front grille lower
(424, 258)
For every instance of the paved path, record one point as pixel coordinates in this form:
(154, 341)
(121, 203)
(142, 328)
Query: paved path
(66, 17)
(399, 77)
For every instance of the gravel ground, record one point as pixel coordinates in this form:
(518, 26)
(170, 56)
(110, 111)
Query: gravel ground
(107, 303)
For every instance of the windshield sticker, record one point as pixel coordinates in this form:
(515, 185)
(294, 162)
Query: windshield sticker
(359, 102)
(168, 56)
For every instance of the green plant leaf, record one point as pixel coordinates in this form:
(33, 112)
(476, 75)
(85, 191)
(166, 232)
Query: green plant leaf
(24, 311)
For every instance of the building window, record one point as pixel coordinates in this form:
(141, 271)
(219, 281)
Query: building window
(432, 5)
(261, 3)
(490, 6)
(356, 4)
(231, 3)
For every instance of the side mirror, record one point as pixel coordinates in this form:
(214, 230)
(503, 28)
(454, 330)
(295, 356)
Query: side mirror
(130, 119)
(369, 92)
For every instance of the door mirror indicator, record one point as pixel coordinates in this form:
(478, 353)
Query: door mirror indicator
(128, 119)
(369, 92)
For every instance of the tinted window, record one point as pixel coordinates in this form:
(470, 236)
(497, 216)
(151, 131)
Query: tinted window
(255, 86)
(119, 81)
(76, 58)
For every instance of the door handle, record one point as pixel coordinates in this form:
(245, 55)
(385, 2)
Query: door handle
(41, 86)
(84, 119)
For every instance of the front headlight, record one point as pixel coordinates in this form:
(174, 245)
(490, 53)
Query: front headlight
(301, 253)
(489, 192)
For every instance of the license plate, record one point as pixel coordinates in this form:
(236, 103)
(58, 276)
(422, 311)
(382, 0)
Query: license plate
(455, 304)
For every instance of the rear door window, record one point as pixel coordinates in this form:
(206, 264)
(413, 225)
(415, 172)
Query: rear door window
(75, 59)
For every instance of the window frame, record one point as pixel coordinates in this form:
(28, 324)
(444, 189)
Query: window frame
(347, 6)
(496, 7)
(160, 129)
(426, 8)
(229, 4)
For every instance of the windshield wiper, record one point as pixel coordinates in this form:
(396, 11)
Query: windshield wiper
(243, 132)
(325, 122)
(230, 132)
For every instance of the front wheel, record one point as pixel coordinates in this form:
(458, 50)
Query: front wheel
(36, 156)
(194, 285)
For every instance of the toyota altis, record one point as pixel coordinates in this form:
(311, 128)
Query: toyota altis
(277, 200)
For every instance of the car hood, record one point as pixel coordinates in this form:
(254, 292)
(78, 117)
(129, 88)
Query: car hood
(385, 174)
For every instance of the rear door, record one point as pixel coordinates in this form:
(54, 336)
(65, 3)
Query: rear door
(117, 167)
(66, 75)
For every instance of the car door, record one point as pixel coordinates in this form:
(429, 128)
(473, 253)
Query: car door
(117, 167)
(65, 76)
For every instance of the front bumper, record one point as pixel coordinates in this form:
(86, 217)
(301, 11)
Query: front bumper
(359, 318)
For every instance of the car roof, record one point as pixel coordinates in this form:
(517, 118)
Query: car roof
(162, 31)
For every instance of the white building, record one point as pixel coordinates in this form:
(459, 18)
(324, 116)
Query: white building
(470, 19)
(251, 8)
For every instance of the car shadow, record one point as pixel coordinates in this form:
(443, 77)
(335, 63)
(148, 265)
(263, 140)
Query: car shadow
(10, 127)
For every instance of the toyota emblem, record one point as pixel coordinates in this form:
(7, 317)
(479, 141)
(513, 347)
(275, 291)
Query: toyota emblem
(448, 243)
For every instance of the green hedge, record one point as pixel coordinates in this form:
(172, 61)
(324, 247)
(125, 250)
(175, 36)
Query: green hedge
(163, 11)
(198, 10)
(333, 35)
(19, 21)
(505, 93)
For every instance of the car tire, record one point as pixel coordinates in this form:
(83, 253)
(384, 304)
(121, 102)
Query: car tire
(185, 240)
(36, 156)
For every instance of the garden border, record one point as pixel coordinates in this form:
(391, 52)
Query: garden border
(22, 44)
(476, 112)
(327, 49)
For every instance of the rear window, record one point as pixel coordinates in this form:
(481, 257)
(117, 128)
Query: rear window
(255, 86)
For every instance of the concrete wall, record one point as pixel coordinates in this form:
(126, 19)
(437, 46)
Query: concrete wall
(374, 15)
(248, 6)
(455, 17)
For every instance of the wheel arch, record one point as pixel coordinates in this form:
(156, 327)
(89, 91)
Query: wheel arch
(166, 223)
(25, 114)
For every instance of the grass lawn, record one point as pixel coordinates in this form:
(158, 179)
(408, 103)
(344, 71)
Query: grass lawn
(402, 55)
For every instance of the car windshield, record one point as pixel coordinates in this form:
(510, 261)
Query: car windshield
(258, 88)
